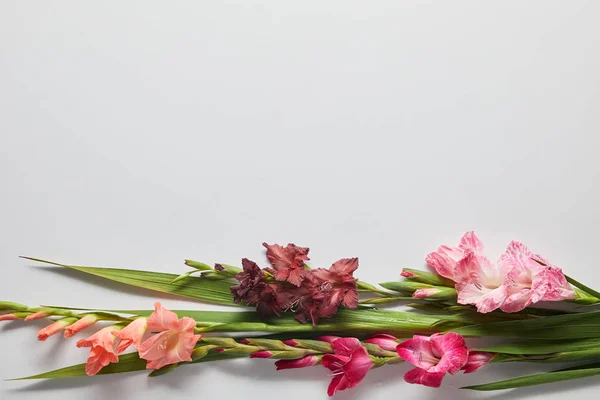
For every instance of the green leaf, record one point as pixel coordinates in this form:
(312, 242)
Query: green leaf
(569, 326)
(214, 291)
(543, 346)
(538, 379)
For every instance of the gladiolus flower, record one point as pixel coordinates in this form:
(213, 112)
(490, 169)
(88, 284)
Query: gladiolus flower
(337, 287)
(86, 321)
(477, 359)
(102, 352)
(253, 290)
(386, 342)
(433, 356)
(287, 262)
(132, 334)
(54, 328)
(8, 317)
(306, 361)
(173, 344)
(446, 258)
(37, 315)
(349, 365)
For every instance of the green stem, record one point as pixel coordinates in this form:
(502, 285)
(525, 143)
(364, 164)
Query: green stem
(583, 287)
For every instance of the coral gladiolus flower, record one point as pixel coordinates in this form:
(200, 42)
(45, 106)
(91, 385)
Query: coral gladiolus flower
(287, 262)
(433, 356)
(102, 352)
(350, 364)
(173, 344)
(8, 317)
(306, 361)
(477, 359)
(132, 334)
(86, 321)
(54, 328)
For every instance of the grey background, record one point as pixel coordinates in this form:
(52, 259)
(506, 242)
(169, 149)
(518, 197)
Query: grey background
(136, 134)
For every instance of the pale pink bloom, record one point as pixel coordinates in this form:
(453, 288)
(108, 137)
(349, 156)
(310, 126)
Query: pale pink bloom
(446, 258)
(531, 279)
(433, 356)
(173, 344)
(349, 364)
(8, 317)
(37, 315)
(424, 293)
(132, 334)
(482, 283)
(477, 359)
(53, 329)
(306, 361)
(102, 352)
(86, 321)
(386, 342)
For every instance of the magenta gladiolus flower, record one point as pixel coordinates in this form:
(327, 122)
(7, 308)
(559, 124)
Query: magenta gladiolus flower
(477, 359)
(102, 352)
(306, 361)
(349, 365)
(287, 262)
(433, 356)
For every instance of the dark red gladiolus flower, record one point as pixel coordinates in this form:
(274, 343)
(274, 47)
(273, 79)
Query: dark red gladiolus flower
(336, 287)
(253, 290)
(287, 262)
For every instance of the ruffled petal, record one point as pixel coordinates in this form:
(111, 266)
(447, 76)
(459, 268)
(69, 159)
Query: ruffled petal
(346, 346)
(418, 352)
(344, 266)
(162, 319)
(422, 377)
(453, 350)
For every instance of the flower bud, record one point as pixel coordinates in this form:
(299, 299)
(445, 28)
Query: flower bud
(54, 328)
(8, 317)
(386, 342)
(415, 275)
(261, 354)
(307, 361)
(37, 315)
(437, 293)
(86, 321)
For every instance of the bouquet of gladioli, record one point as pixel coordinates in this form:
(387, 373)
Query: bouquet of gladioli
(307, 316)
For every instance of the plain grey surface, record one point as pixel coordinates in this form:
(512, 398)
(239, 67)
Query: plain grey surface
(136, 134)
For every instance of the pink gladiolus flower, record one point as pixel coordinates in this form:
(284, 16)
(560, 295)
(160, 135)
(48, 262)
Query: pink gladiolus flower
(433, 356)
(8, 317)
(306, 361)
(173, 344)
(287, 262)
(477, 359)
(350, 364)
(446, 258)
(386, 342)
(516, 281)
(132, 334)
(37, 315)
(102, 352)
(53, 329)
(328, 338)
(86, 321)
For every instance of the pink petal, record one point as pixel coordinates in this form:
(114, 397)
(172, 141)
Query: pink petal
(334, 361)
(477, 359)
(10, 317)
(453, 350)
(328, 338)
(557, 287)
(485, 299)
(131, 334)
(34, 316)
(358, 367)
(336, 383)
(424, 293)
(386, 342)
(307, 361)
(261, 354)
(346, 346)
(407, 274)
(344, 266)
(518, 301)
(83, 323)
(418, 351)
(470, 242)
(162, 319)
(422, 377)
(444, 260)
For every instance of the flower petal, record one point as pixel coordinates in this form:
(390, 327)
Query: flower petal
(444, 260)
(162, 319)
(422, 377)
(453, 350)
(477, 359)
(470, 242)
(418, 351)
(486, 300)
(346, 346)
(306, 361)
(344, 266)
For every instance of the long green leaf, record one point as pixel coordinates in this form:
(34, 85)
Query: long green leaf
(569, 326)
(538, 379)
(127, 363)
(543, 346)
(213, 291)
